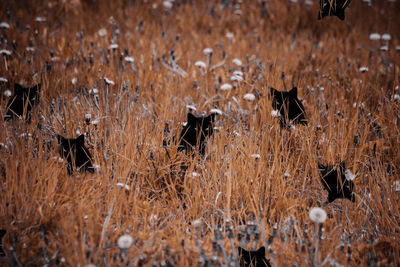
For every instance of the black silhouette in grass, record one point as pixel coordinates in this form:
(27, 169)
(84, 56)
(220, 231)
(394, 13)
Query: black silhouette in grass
(254, 258)
(22, 102)
(289, 106)
(195, 133)
(76, 153)
(335, 182)
(2, 234)
(333, 8)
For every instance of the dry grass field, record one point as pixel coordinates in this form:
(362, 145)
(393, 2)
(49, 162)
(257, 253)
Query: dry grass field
(134, 66)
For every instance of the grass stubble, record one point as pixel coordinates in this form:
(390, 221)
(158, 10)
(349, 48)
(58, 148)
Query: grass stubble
(257, 182)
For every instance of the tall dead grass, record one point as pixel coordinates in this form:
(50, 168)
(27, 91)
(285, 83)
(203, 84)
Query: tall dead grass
(70, 220)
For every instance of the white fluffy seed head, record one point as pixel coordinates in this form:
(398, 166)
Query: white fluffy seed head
(207, 51)
(102, 32)
(7, 93)
(4, 25)
(125, 242)
(216, 111)
(363, 69)
(249, 97)
(317, 215)
(386, 37)
(200, 64)
(275, 113)
(129, 59)
(226, 86)
(237, 62)
(374, 36)
(108, 81)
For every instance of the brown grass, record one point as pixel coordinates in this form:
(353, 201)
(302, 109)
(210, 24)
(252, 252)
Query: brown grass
(49, 214)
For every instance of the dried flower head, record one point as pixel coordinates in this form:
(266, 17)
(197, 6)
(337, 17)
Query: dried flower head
(216, 111)
(4, 25)
(102, 32)
(386, 37)
(226, 86)
(249, 97)
(317, 215)
(108, 81)
(374, 36)
(200, 64)
(125, 242)
(207, 51)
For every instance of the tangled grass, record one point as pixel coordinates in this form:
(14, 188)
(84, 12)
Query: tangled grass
(257, 182)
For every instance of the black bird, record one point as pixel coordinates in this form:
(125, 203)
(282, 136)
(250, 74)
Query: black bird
(76, 152)
(335, 182)
(22, 101)
(2, 234)
(289, 106)
(254, 258)
(333, 8)
(195, 133)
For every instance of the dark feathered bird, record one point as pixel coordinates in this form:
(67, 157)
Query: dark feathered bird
(335, 182)
(333, 8)
(290, 107)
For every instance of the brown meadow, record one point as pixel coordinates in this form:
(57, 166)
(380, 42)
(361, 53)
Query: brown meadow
(253, 169)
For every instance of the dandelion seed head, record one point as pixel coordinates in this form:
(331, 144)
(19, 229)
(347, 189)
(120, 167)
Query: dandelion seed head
(275, 113)
(317, 215)
(113, 46)
(386, 37)
(208, 51)
(374, 36)
(238, 73)
(102, 32)
(129, 59)
(195, 174)
(249, 97)
(236, 78)
(4, 25)
(93, 91)
(5, 52)
(125, 242)
(191, 107)
(40, 19)
(167, 4)
(200, 64)
(237, 62)
(216, 111)
(349, 175)
(230, 36)
(108, 81)
(384, 48)
(7, 93)
(226, 86)
(123, 185)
